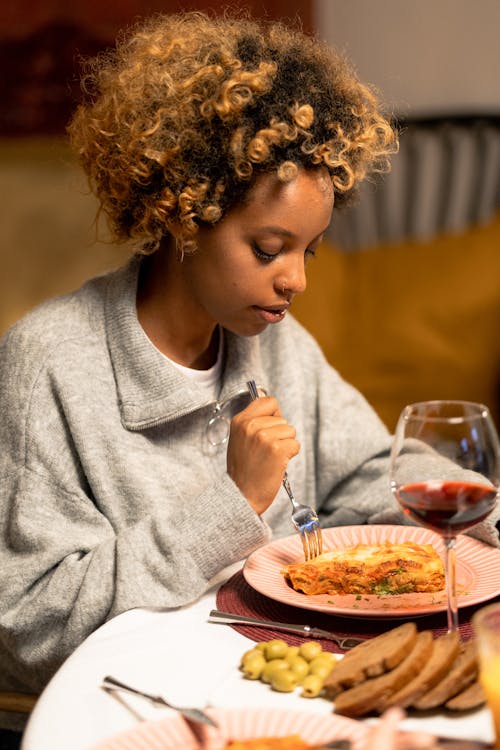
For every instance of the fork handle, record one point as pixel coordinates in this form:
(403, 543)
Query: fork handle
(109, 681)
(286, 485)
(252, 387)
(254, 393)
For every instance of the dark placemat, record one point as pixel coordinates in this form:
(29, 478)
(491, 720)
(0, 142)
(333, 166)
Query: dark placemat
(237, 597)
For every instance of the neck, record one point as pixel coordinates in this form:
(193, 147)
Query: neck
(188, 338)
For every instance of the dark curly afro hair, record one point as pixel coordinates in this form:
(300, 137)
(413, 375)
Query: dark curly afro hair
(180, 117)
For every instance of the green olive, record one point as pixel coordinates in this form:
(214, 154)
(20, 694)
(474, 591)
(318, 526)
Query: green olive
(322, 664)
(321, 669)
(284, 680)
(249, 654)
(292, 653)
(299, 666)
(310, 649)
(276, 649)
(254, 666)
(275, 665)
(327, 657)
(312, 686)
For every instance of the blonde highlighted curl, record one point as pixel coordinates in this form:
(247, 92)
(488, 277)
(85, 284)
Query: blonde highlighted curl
(182, 115)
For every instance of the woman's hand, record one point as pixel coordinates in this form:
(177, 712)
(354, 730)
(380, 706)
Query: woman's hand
(386, 735)
(261, 443)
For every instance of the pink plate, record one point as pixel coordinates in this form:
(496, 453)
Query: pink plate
(477, 573)
(172, 733)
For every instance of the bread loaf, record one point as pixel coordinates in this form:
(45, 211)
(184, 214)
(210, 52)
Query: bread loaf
(463, 671)
(374, 692)
(371, 658)
(403, 667)
(472, 697)
(444, 652)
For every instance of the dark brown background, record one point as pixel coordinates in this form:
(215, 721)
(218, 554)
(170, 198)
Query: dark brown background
(42, 43)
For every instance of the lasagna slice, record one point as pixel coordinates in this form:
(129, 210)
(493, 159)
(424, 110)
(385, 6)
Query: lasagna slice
(384, 568)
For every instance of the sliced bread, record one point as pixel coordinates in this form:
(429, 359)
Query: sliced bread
(472, 697)
(371, 658)
(374, 692)
(463, 671)
(444, 652)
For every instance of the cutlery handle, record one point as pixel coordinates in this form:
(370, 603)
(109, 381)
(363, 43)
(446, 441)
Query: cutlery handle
(109, 681)
(227, 618)
(254, 393)
(252, 387)
(344, 642)
(192, 715)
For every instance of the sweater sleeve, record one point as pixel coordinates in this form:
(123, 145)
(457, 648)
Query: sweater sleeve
(64, 570)
(74, 551)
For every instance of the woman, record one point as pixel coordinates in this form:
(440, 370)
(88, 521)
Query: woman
(133, 466)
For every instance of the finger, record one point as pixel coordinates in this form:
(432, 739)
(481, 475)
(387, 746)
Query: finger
(416, 741)
(384, 734)
(265, 405)
(387, 735)
(265, 428)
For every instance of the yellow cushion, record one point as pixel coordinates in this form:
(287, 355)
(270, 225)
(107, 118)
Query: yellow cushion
(411, 321)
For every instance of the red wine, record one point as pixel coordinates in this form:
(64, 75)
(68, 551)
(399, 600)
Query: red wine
(447, 507)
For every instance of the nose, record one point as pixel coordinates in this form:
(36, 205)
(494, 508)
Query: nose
(293, 276)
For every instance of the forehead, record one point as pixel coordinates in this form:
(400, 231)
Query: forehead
(309, 194)
(312, 184)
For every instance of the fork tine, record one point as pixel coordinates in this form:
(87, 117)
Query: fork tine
(313, 536)
(308, 543)
(305, 543)
(314, 539)
(319, 541)
(312, 544)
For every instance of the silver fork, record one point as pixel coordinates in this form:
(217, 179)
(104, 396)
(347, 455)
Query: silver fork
(192, 714)
(304, 518)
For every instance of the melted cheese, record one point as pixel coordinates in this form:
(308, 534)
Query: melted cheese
(385, 568)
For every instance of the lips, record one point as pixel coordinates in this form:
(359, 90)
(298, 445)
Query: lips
(271, 314)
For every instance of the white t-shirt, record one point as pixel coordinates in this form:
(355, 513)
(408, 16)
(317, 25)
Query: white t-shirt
(210, 378)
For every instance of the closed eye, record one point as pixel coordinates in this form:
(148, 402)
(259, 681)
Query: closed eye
(313, 247)
(309, 252)
(262, 255)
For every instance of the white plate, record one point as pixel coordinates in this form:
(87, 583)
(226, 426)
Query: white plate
(172, 733)
(477, 573)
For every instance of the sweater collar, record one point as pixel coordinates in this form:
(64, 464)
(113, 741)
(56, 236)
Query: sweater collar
(150, 389)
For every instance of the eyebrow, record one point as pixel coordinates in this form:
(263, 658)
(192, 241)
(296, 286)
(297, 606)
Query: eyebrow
(286, 232)
(277, 230)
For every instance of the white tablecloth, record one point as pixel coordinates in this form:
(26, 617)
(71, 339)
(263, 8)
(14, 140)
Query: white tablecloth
(179, 654)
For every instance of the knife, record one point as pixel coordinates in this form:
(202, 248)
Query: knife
(344, 642)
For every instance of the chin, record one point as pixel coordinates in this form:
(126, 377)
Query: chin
(246, 330)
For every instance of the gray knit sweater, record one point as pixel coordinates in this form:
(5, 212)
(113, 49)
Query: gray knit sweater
(113, 497)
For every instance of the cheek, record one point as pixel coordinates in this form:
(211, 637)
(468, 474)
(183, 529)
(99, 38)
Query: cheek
(222, 287)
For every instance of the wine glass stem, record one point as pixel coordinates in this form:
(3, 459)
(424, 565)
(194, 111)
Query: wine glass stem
(451, 583)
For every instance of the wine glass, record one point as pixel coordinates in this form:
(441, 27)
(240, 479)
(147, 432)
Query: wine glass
(445, 473)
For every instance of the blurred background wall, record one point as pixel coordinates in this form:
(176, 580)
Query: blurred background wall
(405, 295)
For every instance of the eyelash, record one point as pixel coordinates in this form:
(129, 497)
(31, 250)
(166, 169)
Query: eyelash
(268, 257)
(261, 255)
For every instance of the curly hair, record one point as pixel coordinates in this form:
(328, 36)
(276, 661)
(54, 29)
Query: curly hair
(179, 118)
